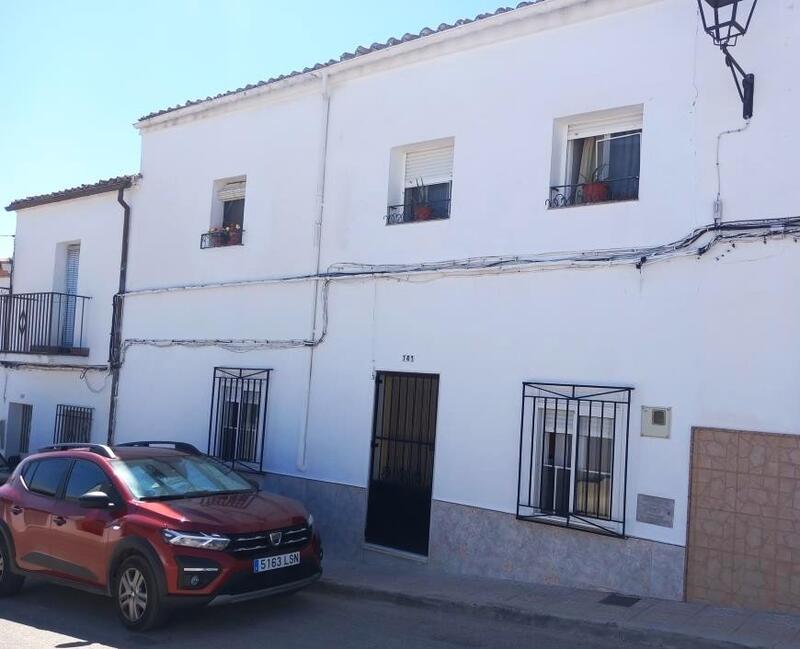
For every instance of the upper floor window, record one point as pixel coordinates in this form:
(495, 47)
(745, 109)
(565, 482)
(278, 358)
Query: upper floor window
(227, 217)
(597, 158)
(422, 183)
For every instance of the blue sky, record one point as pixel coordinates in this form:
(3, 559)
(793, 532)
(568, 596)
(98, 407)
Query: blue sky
(75, 75)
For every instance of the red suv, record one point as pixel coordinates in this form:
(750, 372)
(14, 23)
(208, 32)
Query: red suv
(152, 527)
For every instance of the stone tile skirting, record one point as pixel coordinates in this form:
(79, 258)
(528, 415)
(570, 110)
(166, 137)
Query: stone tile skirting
(472, 541)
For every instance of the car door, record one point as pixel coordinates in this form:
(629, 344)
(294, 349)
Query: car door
(80, 536)
(31, 511)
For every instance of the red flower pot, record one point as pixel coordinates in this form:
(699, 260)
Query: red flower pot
(422, 212)
(595, 192)
(234, 237)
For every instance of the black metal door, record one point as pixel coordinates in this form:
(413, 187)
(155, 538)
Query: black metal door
(401, 468)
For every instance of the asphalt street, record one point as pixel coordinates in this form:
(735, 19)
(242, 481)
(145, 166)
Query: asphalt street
(50, 617)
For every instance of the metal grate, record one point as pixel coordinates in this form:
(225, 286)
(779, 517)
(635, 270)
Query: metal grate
(221, 239)
(619, 600)
(269, 542)
(73, 425)
(573, 455)
(237, 423)
(25, 428)
(602, 191)
(401, 466)
(43, 323)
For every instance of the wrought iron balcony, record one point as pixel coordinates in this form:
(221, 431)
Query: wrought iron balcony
(601, 191)
(412, 212)
(43, 323)
(221, 238)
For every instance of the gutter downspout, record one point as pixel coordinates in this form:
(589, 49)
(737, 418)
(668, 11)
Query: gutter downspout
(116, 317)
(326, 112)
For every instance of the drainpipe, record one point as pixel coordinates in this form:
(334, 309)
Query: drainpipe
(116, 316)
(326, 112)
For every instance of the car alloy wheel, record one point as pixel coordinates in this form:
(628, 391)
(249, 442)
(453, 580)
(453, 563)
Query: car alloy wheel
(132, 594)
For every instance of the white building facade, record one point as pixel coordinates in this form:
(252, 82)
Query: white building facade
(452, 288)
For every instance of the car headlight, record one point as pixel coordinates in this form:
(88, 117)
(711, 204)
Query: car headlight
(196, 540)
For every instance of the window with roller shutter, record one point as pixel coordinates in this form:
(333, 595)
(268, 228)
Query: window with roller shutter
(227, 215)
(427, 185)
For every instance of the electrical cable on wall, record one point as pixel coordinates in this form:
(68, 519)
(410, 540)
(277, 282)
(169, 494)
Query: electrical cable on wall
(695, 244)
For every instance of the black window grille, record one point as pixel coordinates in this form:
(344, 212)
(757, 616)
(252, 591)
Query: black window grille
(600, 169)
(238, 418)
(73, 425)
(424, 203)
(26, 418)
(573, 452)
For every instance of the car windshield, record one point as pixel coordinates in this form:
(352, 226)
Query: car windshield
(179, 476)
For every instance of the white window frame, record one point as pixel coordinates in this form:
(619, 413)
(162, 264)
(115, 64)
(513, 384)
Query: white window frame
(581, 409)
(224, 190)
(397, 171)
(598, 123)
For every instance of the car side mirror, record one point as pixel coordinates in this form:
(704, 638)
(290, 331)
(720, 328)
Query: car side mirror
(95, 500)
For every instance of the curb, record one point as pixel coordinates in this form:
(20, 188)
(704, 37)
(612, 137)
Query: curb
(640, 637)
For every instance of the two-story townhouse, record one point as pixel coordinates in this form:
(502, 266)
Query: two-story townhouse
(499, 297)
(56, 321)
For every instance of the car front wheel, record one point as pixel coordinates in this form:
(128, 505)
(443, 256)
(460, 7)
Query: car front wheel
(139, 601)
(10, 584)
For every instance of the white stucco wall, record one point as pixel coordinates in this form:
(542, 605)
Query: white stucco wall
(711, 338)
(42, 232)
(96, 223)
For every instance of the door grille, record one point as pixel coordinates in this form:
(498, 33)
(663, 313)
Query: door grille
(401, 467)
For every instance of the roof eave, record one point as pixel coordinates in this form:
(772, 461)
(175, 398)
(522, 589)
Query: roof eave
(355, 61)
(102, 187)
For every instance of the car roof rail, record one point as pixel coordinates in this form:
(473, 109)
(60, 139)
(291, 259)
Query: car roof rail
(99, 449)
(183, 447)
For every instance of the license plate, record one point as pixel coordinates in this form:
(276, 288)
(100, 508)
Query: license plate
(273, 563)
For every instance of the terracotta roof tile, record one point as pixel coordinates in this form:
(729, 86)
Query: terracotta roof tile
(101, 186)
(359, 51)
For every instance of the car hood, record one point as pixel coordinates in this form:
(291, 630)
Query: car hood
(229, 514)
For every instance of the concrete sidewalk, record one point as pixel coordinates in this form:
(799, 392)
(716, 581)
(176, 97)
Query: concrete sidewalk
(641, 622)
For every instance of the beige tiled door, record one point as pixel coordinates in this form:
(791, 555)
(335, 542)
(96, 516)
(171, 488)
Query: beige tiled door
(744, 520)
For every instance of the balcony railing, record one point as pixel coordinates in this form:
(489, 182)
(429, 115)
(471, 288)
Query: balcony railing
(412, 212)
(221, 238)
(43, 323)
(601, 191)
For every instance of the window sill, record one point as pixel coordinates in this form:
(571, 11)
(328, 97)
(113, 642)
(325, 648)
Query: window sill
(557, 208)
(570, 522)
(222, 245)
(434, 219)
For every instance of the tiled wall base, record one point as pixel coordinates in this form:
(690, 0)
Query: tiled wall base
(493, 544)
(473, 541)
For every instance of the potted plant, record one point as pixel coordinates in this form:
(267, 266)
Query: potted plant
(596, 191)
(422, 210)
(234, 234)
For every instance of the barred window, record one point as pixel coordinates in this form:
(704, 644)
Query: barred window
(573, 447)
(73, 425)
(238, 417)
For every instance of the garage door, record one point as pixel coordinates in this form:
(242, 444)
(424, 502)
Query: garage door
(744, 520)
